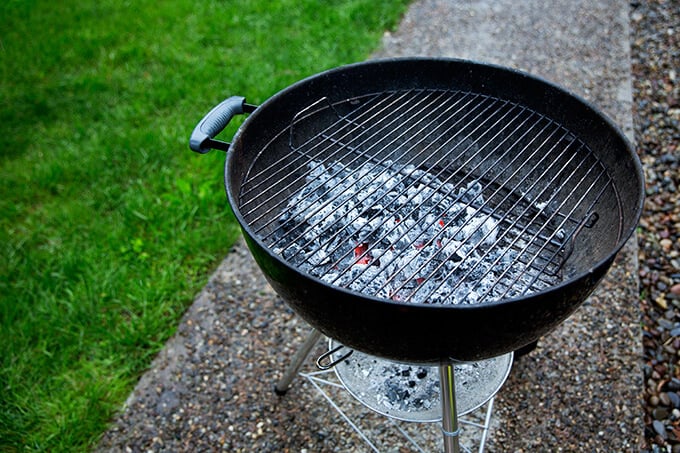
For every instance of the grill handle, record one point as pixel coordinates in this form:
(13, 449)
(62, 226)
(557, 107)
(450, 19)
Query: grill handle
(202, 138)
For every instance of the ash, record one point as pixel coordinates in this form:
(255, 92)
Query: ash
(399, 233)
(392, 386)
(398, 389)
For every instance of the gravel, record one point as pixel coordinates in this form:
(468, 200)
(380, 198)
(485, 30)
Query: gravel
(582, 389)
(655, 29)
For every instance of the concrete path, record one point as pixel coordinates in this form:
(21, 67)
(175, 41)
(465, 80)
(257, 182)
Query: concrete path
(210, 388)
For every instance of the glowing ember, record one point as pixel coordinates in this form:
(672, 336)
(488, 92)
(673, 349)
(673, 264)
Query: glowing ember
(360, 254)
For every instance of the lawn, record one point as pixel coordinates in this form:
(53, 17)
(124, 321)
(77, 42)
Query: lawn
(110, 225)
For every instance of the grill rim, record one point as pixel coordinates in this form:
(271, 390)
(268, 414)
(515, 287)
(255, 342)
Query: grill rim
(470, 66)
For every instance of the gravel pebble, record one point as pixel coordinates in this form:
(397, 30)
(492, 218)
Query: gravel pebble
(656, 59)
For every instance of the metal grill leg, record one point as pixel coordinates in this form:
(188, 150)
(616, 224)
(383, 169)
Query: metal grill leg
(283, 384)
(450, 428)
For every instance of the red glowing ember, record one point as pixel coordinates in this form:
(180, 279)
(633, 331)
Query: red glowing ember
(360, 254)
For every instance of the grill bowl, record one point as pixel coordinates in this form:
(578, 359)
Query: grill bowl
(429, 333)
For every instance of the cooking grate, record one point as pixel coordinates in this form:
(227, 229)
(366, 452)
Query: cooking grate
(512, 187)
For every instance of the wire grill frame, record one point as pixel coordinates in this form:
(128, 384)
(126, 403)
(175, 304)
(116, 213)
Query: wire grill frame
(538, 180)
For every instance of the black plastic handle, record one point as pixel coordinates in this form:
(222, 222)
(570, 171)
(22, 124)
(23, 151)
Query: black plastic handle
(202, 138)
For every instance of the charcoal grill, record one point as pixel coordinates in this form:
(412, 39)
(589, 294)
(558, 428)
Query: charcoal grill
(529, 192)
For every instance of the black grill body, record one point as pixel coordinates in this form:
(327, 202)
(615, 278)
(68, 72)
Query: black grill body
(263, 171)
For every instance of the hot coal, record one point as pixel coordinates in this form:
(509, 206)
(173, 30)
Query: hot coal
(401, 233)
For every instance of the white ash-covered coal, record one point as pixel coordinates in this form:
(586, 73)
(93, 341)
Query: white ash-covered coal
(400, 233)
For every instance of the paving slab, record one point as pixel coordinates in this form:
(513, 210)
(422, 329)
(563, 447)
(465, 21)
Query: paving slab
(211, 386)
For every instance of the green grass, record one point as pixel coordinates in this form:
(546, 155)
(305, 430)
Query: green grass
(110, 225)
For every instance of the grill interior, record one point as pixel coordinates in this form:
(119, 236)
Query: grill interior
(538, 183)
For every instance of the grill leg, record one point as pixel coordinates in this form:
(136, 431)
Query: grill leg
(450, 428)
(283, 384)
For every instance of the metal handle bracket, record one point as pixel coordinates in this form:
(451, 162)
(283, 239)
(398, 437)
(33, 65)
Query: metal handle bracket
(326, 360)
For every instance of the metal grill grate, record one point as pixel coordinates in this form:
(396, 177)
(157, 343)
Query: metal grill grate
(536, 181)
